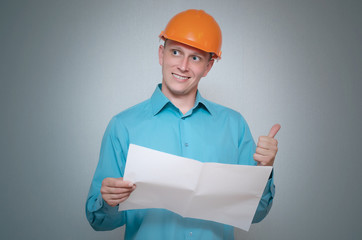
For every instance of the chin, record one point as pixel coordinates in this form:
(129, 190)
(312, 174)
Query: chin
(178, 92)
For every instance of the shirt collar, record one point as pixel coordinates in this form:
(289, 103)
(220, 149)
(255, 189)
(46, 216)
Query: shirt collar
(159, 101)
(200, 101)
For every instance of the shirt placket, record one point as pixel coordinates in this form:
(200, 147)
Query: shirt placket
(189, 235)
(184, 141)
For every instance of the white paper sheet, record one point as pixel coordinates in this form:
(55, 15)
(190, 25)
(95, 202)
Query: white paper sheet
(218, 192)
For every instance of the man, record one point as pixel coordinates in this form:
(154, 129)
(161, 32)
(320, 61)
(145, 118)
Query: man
(176, 120)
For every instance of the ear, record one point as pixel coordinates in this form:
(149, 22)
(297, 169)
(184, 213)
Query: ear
(160, 54)
(208, 67)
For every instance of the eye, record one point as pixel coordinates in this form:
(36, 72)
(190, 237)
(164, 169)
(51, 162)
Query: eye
(196, 58)
(175, 52)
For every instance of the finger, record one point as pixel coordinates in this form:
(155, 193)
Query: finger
(118, 196)
(122, 191)
(116, 182)
(259, 158)
(116, 190)
(263, 160)
(126, 183)
(119, 182)
(263, 151)
(274, 130)
(267, 142)
(116, 201)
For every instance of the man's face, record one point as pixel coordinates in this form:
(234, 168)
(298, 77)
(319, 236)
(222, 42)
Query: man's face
(182, 68)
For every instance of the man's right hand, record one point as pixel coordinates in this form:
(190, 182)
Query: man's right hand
(115, 190)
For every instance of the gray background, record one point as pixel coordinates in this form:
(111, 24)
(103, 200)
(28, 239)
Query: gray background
(68, 66)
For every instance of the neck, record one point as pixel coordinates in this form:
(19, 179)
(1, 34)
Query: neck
(183, 102)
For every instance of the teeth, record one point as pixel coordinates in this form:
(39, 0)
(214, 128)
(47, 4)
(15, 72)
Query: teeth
(179, 77)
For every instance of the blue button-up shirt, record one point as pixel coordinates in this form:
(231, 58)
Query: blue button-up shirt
(208, 133)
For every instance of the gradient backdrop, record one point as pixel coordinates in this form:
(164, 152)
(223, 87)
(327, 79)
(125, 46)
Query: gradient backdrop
(68, 66)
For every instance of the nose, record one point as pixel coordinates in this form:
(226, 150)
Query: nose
(184, 64)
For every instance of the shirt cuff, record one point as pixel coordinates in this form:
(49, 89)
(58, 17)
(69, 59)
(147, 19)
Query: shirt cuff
(104, 207)
(270, 187)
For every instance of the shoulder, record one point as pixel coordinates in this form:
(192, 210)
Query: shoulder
(136, 112)
(219, 110)
(131, 116)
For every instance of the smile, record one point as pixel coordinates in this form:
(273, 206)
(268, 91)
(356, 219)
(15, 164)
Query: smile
(179, 77)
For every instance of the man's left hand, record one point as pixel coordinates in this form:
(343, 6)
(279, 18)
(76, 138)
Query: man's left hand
(267, 148)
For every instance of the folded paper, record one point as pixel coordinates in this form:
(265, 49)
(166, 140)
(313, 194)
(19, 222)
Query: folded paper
(224, 193)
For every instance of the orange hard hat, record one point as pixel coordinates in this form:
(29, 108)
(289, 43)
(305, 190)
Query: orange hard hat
(195, 28)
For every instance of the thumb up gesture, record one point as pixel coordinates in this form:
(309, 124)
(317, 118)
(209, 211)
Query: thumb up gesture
(267, 148)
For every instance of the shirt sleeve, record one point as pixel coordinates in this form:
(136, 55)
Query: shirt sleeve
(246, 151)
(266, 200)
(111, 163)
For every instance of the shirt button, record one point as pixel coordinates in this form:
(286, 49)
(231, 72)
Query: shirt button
(186, 144)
